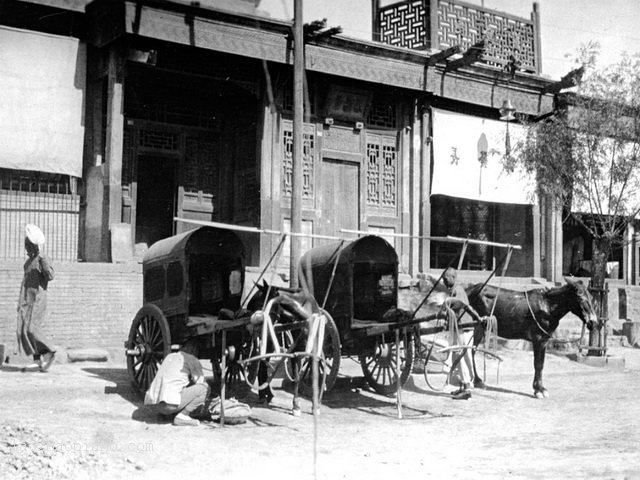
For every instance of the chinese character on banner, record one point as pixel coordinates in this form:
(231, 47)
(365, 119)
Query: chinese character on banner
(454, 156)
(483, 148)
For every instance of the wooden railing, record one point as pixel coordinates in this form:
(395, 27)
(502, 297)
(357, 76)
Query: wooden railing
(440, 24)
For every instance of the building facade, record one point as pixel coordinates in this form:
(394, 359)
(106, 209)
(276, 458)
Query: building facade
(187, 112)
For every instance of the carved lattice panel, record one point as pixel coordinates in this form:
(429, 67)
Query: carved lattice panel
(404, 25)
(382, 113)
(308, 161)
(465, 25)
(200, 168)
(465, 219)
(373, 172)
(246, 195)
(389, 174)
(158, 140)
(382, 175)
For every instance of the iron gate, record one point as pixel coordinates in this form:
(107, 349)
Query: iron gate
(47, 200)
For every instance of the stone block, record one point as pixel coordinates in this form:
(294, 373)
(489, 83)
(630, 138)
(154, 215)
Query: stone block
(87, 355)
(631, 330)
(613, 362)
(121, 250)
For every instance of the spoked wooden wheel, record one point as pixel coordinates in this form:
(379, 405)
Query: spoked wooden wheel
(381, 368)
(330, 364)
(238, 375)
(149, 342)
(437, 363)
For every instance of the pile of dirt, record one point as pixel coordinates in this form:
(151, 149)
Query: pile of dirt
(26, 452)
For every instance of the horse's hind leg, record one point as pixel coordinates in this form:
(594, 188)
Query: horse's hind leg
(295, 407)
(478, 335)
(539, 350)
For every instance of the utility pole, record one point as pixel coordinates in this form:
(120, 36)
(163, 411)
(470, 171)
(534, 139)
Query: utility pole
(298, 139)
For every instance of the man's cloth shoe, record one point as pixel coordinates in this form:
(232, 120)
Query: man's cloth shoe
(182, 420)
(48, 360)
(32, 367)
(265, 396)
(462, 394)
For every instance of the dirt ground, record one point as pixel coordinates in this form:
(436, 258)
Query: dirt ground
(82, 420)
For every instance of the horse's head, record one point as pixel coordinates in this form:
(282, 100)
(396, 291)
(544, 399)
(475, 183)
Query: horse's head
(582, 305)
(263, 291)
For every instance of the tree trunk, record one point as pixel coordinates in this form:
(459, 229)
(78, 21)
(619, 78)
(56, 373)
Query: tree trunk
(601, 251)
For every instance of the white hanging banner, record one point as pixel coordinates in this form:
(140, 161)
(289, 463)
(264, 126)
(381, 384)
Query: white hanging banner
(468, 153)
(42, 85)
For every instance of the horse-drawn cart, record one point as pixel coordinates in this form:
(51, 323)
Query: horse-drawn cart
(356, 282)
(192, 286)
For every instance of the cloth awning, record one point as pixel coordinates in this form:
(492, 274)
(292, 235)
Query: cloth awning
(468, 153)
(42, 87)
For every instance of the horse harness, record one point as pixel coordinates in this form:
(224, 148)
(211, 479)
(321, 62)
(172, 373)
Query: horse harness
(526, 296)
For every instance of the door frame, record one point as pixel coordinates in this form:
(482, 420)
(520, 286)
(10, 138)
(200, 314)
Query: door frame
(340, 158)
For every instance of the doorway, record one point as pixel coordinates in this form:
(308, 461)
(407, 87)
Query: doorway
(340, 196)
(155, 203)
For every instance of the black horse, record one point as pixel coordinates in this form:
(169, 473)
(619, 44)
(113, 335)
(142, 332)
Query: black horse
(532, 315)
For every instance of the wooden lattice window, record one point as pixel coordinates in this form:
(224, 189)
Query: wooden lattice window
(158, 140)
(404, 25)
(308, 162)
(464, 25)
(200, 171)
(461, 218)
(382, 173)
(382, 113)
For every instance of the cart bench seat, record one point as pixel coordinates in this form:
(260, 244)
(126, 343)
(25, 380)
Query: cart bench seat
(204, 323)
(371, 327)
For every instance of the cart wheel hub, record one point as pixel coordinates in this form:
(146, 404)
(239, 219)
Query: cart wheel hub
(383, 353)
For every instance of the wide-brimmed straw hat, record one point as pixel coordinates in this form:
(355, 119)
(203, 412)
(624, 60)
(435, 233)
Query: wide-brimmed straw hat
(34, 234)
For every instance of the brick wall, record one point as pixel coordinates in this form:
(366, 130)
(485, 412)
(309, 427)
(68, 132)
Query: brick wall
(92, 304)
(89, 304)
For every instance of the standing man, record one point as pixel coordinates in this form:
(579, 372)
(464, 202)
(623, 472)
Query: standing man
(463, 372)
(179, 389)
(32, 303)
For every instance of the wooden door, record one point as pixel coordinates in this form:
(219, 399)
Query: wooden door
(340, 196)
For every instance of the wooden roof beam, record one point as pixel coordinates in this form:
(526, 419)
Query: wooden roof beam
(443, 55)
(472, 55)
(571, 79)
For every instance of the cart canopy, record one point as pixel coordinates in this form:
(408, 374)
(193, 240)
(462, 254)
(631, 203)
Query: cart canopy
(198, 271)
(365, 283)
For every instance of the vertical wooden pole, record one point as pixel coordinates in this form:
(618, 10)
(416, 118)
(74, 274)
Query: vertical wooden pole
(375, 23)
(433, 24)
(415, 181)
(398, 376)
(537, 35)
(223, 374)
(425, 213)
(298, 112)
(536, 238)
(114, 140)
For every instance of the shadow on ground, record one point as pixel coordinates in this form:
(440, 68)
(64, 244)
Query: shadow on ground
(120, 378)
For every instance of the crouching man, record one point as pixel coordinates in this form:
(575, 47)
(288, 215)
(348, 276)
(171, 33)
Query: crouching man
(179, 389)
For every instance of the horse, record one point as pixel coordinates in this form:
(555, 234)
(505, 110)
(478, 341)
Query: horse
(532, 315)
